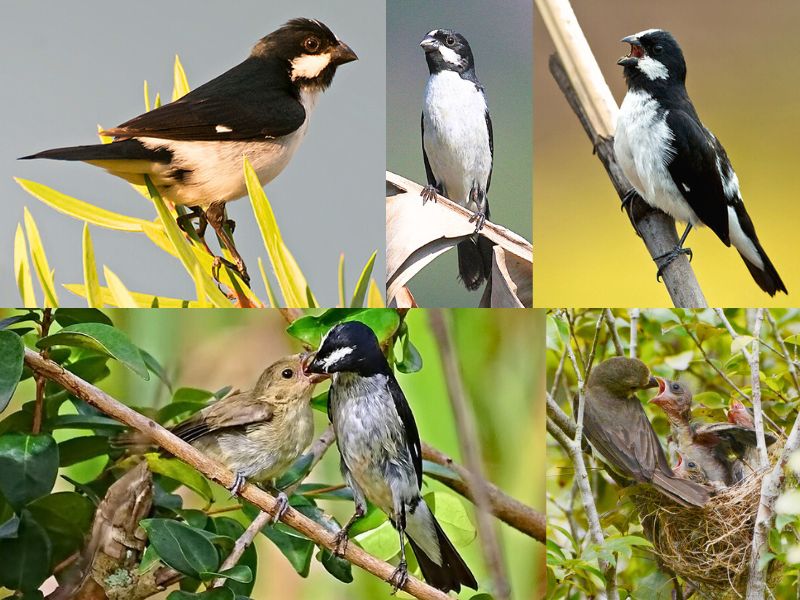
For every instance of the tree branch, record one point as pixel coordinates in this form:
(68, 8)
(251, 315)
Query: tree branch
(217, 473)
(579, 77)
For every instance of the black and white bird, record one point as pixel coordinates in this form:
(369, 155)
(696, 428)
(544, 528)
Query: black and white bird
(457, 144)
(192, 148)
(674, 162)
(380, 451)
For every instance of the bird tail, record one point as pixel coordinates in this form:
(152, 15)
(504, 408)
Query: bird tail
(687, 493)
(440, 563)
(767, 277)
(124, 150)
(744, 239)
(475, 261)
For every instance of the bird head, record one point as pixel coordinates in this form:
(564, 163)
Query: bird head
(349, 347)
(654, 56)
(622, 376)
(286, 380)
(674, 397)
(739, 415)
(447, 50)
(310, 50)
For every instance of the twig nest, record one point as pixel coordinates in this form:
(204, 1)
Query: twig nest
(708, 546)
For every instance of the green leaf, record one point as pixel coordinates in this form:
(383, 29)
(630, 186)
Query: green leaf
(72, 316)
(180, 471)
(83, 211)
(233, 529)
(40, 265)
(222, 593)
(66, 517)
(239, 574)
(181, 84)
(335, 565)
(299, 469)
(28, 467)
(382, 542)
(181, 547)
(122, 297)
(363, 282)
(90, 278)
(22, 269)
(452, 516)
(411, 360)
(101, 338)
(374, 298)
(26, 558)
(740, 343)
(12, 359)
(141, 299)
(84, 422)
(24, 318)
(9, 528)
(341, 280)
(79, 449)
(155, 368)
(310, 329)
(297, 550)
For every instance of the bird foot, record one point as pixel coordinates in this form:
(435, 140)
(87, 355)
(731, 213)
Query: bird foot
(399, 577)
(340, 542)
(479, 218)
(231, 224)
(429, 192)
(281, 506)
(185, 224)
(665, 259)
(239, 482)
(238, 267)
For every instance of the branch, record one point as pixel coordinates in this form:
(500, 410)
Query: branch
(47, 320)
(612, 327)
(579, 77)
(467, 436)
(217, 473)
(509, 510)
(634, 315)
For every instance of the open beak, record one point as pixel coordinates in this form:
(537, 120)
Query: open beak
(661, 384)
(429, 44)
(637, 51)
(314, 375)
(342, 54)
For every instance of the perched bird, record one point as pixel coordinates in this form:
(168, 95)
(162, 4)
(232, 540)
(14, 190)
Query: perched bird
(717, 448)
(673, 162)
(192, 148)
(689, 470)
(616, 426)
(457, 144)
(381, 459)
(259, 433)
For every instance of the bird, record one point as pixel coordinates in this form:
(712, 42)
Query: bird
(380, 452)
(258, 434)
(674, 163)
(689, 470)
(717, 448)
(739, 415)
(192, 149)
(617, 428)
(458, 144)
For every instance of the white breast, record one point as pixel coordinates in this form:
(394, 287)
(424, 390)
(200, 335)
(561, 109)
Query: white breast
(643, 146)
(456, 138)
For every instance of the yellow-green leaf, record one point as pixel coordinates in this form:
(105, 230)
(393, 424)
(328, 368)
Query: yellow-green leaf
(200, 289)
(40, 265)
(146, 97)
(79, 209)
(363, 282)
(181, 86)
(740, 343)
(22, 269)
(374, 298)
(267, 286)
(93, 296)
(122, 297)
(341, 280)
(141, 299)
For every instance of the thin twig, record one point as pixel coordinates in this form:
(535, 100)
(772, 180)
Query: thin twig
(467, 436)
(219, 474)
(612, 328)
(785, 351)
(559, 417)
(47, 320)
(634, 345)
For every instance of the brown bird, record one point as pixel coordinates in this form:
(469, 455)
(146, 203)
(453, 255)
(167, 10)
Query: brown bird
(717, 448)
(259, 433)
(739, 415)
(687, 469)
(618, 429)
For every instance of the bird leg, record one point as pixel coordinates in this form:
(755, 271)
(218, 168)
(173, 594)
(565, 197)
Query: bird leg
(239, 482)
(668, 257)
(627, 206)
(478, 198)
(429, 192)
(399, 576)
(281, 507)
(215, 214)
(185, 222)
(341, 540)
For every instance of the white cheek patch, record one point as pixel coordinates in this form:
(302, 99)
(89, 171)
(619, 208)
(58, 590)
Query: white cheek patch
(336, 356)
(450, 56)
(647, 32)
(652, 68)
(309, 66)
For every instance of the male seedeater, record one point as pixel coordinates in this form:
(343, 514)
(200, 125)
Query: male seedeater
(192, 149)
(259, 433)
(380, 451)
(457, 143)
(674, 162)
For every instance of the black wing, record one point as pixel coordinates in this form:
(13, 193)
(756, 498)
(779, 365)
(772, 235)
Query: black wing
(410, 426)
(254, 100)
(696, 174)
(428, 170)
(491, 149)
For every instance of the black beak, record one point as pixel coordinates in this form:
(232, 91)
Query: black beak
(429, 44)
(312, 365)
(342, 54)
(635, 54)
(652, 383)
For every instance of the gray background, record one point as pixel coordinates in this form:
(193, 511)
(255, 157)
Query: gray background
(499, 34)
(67, 67)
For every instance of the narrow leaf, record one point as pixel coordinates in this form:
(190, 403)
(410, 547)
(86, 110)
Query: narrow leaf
(363, 282)
(12, 353)
(39, 258)
(90, 279)
(22, 269)
(267, 286)
(122, 297)
(141, 299)
(181, 85)
(374, 298)
(341, 280)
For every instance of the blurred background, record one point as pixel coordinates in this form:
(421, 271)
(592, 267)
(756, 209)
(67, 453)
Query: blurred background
(741, 78)
(70, 67)
(500, 37)
(503, 376)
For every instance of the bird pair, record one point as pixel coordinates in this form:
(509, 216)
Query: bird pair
(258, 434)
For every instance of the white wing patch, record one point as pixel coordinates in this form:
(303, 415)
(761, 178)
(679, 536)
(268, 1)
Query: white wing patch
(652, 68)
(740, 241)
(310, 66)
(223, 129)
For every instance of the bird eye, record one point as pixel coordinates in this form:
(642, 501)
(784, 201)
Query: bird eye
(450, 40)
(691, 465)
(658, 49)
(311, 44)
(675, 387)
(287, 373)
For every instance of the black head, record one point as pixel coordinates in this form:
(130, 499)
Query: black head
(655, 58)
(349, 347)
(310, 50)
(446, 50)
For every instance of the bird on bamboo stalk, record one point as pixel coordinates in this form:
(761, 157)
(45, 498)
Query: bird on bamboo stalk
(260, 433)
(381, 458)
(674, 163)
(717, 448)
(618, 430)
(192, 149)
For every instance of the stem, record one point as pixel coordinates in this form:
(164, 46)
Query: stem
(47, 320)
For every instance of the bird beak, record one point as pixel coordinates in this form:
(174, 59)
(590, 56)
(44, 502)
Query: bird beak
(342, 53)
(313, 369)
(429, 44)
(637, 51)
(659, 399)
(656, 382)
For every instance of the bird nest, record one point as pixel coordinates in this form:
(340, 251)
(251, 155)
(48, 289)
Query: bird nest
(708, 546)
